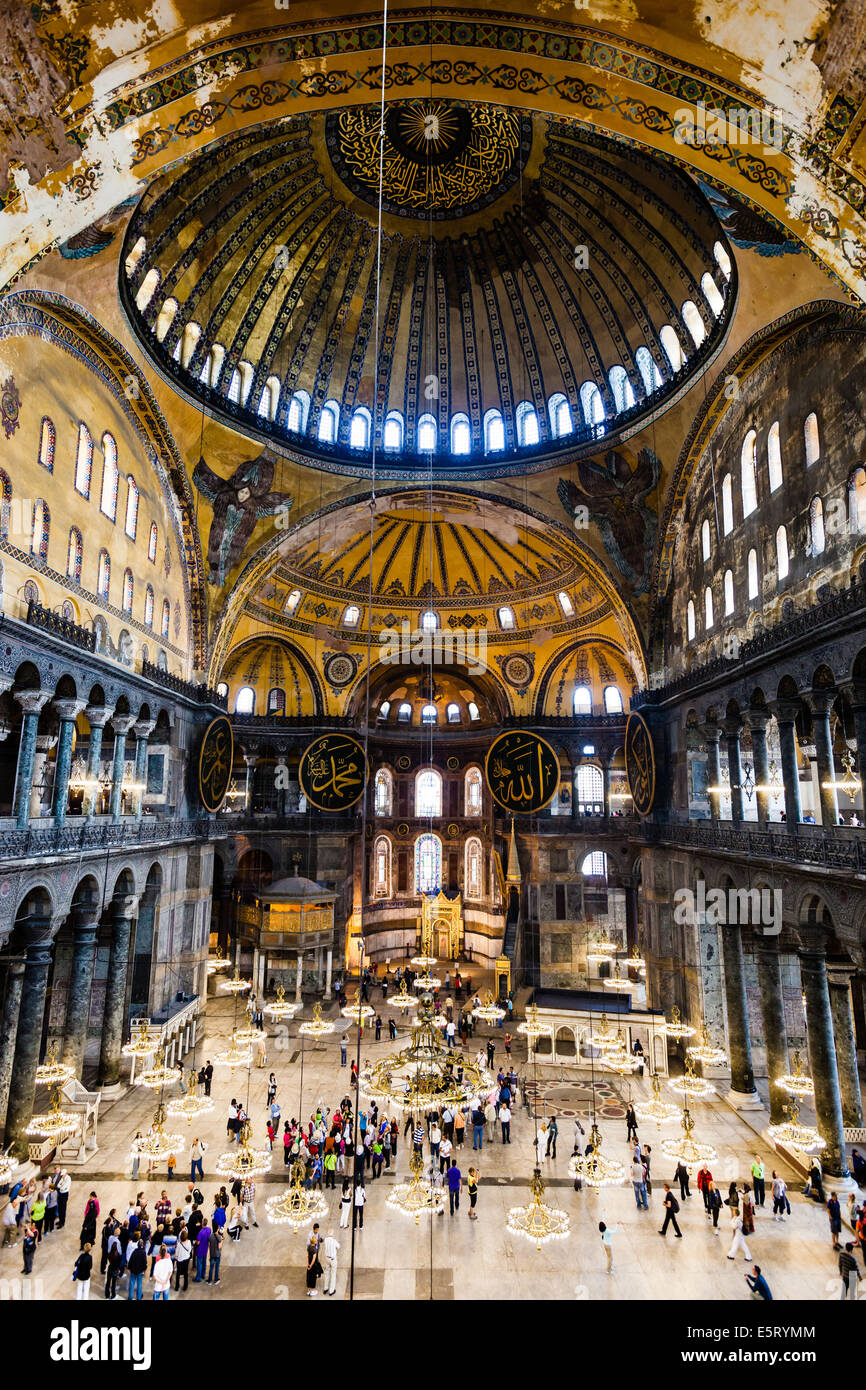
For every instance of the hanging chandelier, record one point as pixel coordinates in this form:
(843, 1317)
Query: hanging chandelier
(316, 1027)
(237, 1054)
(797, 1082)
(157, 1145)
(793, 1135)
(55, 1124)
(537, 1221)
(705, 1053)
(675, 1028)
(423, 1075)
(605, 1040)
(246, 1036)
(236, 985)
(8, 1166)
(158, 1076)
(418, 1197)
(403, 1000)
(143, 1040)
(489, 1011)
(621, 1060)
(297, 1206)
(533, 1026)
(850, 784)
(358, 1012)
(423, 962)
(280, 1008)
(188, 1107)
(687, 1150)
(218, 962)
(52, 1072)
(636, 960)
(618, 982)
(602, 949)
(596, 1169)
(690, 1084)
(656, 1109)
(426, 982)
(244, 1161)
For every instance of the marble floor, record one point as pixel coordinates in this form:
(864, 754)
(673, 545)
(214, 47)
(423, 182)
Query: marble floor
(452, 1257)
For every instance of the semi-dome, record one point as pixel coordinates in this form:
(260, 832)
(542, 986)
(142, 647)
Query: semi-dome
(541, 286)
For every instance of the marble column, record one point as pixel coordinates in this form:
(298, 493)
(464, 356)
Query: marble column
(858, 708)
(97, 716)
(121, 912)
(821, 705)
(329, 971)
(31, 702)
(9, 1026)
(68, 711)
(733, 729)
(739, 1038)
(142, 729)
(839, 981)
(250, 759)
(769, 966)
(605, 785)
(28, 1036)
(786, 715)
(85, 926)
(822, 1055)
(299, 978)
(121, 724)
(758, 725)
(44, 745)
(712, 733)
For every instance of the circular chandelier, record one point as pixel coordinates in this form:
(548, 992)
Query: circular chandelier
(358, 1012)
(537, 1221)
(422, 1076)
(705, 1053)
(316, 1027)
(636, 960)
(426, 982)
(604, 1041)
(533, 1026)
(803, 1138)
(190, 1106)
(236, 984)
(157, 1076)
(690, 1084)
(619, 982)
(52, 1072)
(8, 1165)
(687, 1150)
(596, 1169)
(489, 1011)
(602, 949)
(403, 999)
(245, 1037)
(656, 1109)
(55, 1124)
(244, 1161)
(157, 1145)
(424, 962)
(218, 962)
(797, 1082)
(417, 1197)
(280, 1009)
(675, 1028)
(143, 1040)
(297, 1206)
(237, 1054)
(621, 1061)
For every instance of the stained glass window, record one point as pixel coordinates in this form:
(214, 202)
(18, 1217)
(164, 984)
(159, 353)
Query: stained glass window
(47, 440)
(383, 792)
(473, 868)
(41, 527)
(108, 497)
(103, 574)
(428, 793)
(148, 607)
(151, 544)
(83, 461)
(127, 591)
(131, 522)
(428, 864)
(166, 615)
(74, 554)
(473, 792)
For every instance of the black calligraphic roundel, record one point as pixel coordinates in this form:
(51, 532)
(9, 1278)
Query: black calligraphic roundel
(215, 763)
(522, 772)
(640, 764)
(333, 772)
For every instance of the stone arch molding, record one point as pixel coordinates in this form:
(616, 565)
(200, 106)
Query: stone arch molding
(192, 94)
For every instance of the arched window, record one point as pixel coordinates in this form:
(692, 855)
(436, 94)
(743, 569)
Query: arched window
(47, 441)
(565, 604)
(299, 409)
(752, 566)
(589, 789)
(592, 406)
(472, 869)
(359, 429)
(621, 388)
(189, 342)
(222, 688)
(103, 575)
(729, 592)
(428, 864)
(392, 436)
(612, 700)
(292, 602)
(648, 368)
(817, 533)
(428, 435)
(472, 788)
(711, 293)
(429, 621)
(147, 289)
(506, 619)
(782, 560)
(748, 473)
(582, 700)
(706, 540)
(727, 505)
(110, 478)
(383, 791)
(74, 555)
(673, 349)
(708, 607)
(813, 446)
(384, 709)
(276, 700)
(148, 607)
(213, 365)
(329, 422)
(461, 434)
(165, 318)
(494, 432)
(595, 864)
(404, 713)
(723, 260)
(559, 412)
(266, 400)
(428, 792)
(774, 457)
(382, 867)
(452, 714)
(128, 587)
(83, 461)
(234, 391)
(857, 501)
(130, 524)
(429, 714)
(41, 528)
(245, 703)
(526, 421)
(151, 542)
(166, 617)
(474, 712)
(352, 616)
(690, 621)
(693, 322)
(135, 256)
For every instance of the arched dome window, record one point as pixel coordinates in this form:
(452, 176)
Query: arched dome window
(270, 397)
(474, 712)
(298, 413)
(774, 457)
(708, 607)
(690, 621)
(727, 505)
(428, 792)
(222, 689)
(359, 430)
(83, 461)
(559, 412)
(748, 473)
(706, 540)
(494, 432)
(276, 700)
(428, 864)
(817, 533)
(392, 436)
(752, 567)
(506, 619)
(782, 558)
(712, 294)
(472, 868)
(404, 713)
(428, 435)
(648, 368)
(189, 341)
(329, 422)
(292, 602)
(813, 445)
(723, 260)
(213, 365)
(472, 789)
(135, 256)
(461, 434)
(693, 322)
(245, 702)
(589, 790)
(352, 616)
(384, 709)
(165, 318)
(382, 867)
(526, 421)
(595, 865)
(429, 714)
(429, 621)
(582, 700)
(565, 604)
(621, 388)
(383, 792)
(673, 349)
(729, 592)
(612, 700)
(452, 714)
(592, 406)
(147, 289)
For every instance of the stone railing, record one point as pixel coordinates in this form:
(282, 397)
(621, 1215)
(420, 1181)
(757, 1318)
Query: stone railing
(202, 694)
(791, 844)
(64, 628)
(102, 833)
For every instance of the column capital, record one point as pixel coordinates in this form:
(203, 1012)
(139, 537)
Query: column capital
(32, 701)
(758, 720)
(785, 711)
(69, 710)
(143, 728)
(125, 906)
(711, 731)
(841, 972)
(820, 702)
(97, 715)
(813, 941)
(122, 723)
(733, 725)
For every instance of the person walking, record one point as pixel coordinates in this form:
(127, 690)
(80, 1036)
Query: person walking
(359, 1204)
(704, 1178)
(713, 1200)
(834, 1212)
(161, 1275)
(344, 1050)
(490, 1118)
(552, 1134)
(330, 1248)
(88, 1225)
(738, 1239)
(215, 1251)
(455, 1183)
(758, 1284)
(345, 1204)
(82, 1272)
(671, 1206)
(435, 1137)
(28, 1246)
(638, 1182)
(758, 1181)
(478, 1126)
(136, 1263)
(630, 1123)
(682, 1177)
(505, 1123)
(607, 1233)
(182, 1257)
(114, 1265)
(780, 1196)
(248, 1204)
(63, 1185)
(472, 1189)
(208, 1077)
(848, 1272)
